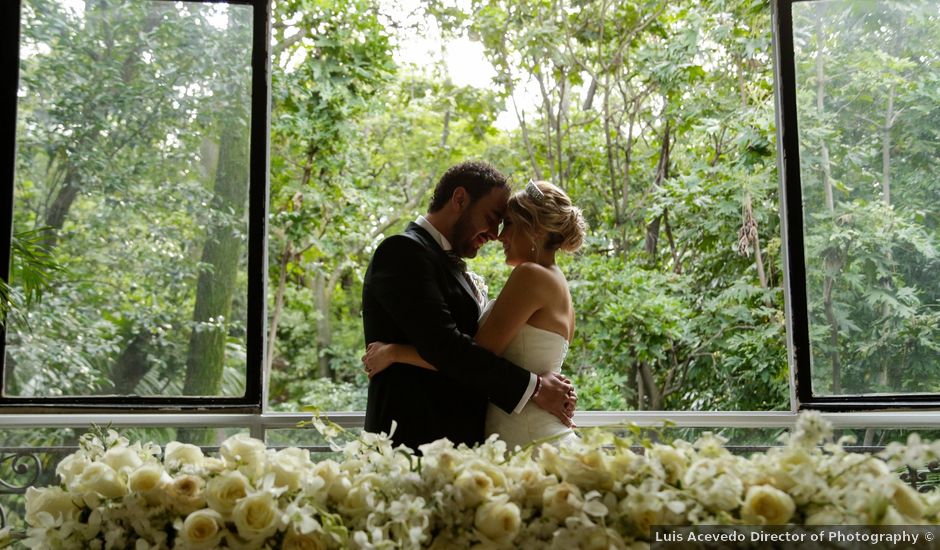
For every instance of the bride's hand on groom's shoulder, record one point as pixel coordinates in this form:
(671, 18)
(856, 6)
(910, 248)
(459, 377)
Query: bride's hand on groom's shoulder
(556, 395)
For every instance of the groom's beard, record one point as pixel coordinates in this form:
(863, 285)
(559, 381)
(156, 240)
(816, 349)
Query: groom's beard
(464, 236)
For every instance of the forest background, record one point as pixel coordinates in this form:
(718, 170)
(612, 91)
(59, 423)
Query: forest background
(656, 117)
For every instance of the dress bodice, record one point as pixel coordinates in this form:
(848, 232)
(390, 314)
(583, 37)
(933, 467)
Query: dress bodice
(539, 351)
(534, 349)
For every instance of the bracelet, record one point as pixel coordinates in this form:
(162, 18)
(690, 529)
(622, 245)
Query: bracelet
(538, 386)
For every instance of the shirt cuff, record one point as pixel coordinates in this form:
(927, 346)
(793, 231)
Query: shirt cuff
(528, 393)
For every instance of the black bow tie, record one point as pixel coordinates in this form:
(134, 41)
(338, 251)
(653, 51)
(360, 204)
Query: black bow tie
(456, 261)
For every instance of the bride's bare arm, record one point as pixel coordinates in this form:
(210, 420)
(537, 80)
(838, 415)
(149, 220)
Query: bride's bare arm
(380, 355)
(526, 291)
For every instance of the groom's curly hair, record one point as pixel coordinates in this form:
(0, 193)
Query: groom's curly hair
(476, 176)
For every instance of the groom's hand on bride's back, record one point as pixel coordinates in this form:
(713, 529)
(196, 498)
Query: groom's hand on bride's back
(556, 395)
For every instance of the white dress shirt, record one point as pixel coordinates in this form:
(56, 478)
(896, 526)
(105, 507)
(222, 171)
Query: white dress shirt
(446, 246)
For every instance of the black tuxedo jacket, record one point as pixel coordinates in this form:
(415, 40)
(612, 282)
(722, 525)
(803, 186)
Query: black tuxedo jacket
(414, 294)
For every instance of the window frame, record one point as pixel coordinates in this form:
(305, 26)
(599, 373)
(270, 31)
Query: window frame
(254, 401)
(794, 259)
(258, 183)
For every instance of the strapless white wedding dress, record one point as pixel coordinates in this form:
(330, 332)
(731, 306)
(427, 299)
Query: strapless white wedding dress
(540, 351)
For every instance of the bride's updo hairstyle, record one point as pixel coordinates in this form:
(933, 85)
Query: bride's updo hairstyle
(543, 208)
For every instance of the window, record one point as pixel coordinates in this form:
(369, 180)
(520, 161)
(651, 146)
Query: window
(138, 204)
(860, 123)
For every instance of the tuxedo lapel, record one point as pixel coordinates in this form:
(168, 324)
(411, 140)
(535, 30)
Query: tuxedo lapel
(445, 260)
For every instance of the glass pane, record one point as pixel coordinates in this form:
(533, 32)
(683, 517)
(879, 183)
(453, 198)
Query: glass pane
(131, 199)
(666, 143)
(869, 116)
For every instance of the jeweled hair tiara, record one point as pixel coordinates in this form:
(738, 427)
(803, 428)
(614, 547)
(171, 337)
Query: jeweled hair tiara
(533, 191)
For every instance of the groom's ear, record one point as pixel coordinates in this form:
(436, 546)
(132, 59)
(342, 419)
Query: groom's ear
(460, 199)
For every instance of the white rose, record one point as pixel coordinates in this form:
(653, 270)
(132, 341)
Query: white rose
(359, 501)
(213, 465)
(599, 538)
(202, 529)
(51, 500)
(765, 505)
(71, 467)
(122, 459)
(672, 461)
(892, 517)
(498, 520)
(826, 515)
(223, 492)
(588, 469)
(185, 494)
(178, 454)
(328, 470)
(495, 474)
(242, 450)
(561, 501)
(296, 541)
(340, 488)
(474, 486)
(147, 479)
(708, 481)
(533, 482)
(906, 500)
(335, 484)
(792, 465)
(290, 466)
(256, 516)
(100, 478)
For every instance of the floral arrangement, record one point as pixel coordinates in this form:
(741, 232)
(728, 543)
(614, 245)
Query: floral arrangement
(597, 492)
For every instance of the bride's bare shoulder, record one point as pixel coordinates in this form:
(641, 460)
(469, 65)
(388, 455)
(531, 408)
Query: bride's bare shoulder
(530, 271)
(531, 276)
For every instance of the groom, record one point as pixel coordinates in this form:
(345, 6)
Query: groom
(416, 292)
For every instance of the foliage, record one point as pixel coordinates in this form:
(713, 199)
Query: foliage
(871, 229)
(656, 117)
(31, 275)
(118, 146)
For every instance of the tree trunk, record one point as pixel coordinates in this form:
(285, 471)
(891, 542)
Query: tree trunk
(886, 149)
(676, 266)
(278, 306)
(833, 337)
(627, 162)
(749, 236)
(662, 172)
(638, 380)
(548, 120)
(820, 108)
(652, 391)
(322, 296)
(886, 199)
(611, 169)
(220, 255)
(131, 366)
(10, 388)
(520, 117)
(828, 280)
(562, 110)
(59, 209)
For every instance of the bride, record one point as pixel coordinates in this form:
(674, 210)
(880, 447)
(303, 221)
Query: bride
(531, 323)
